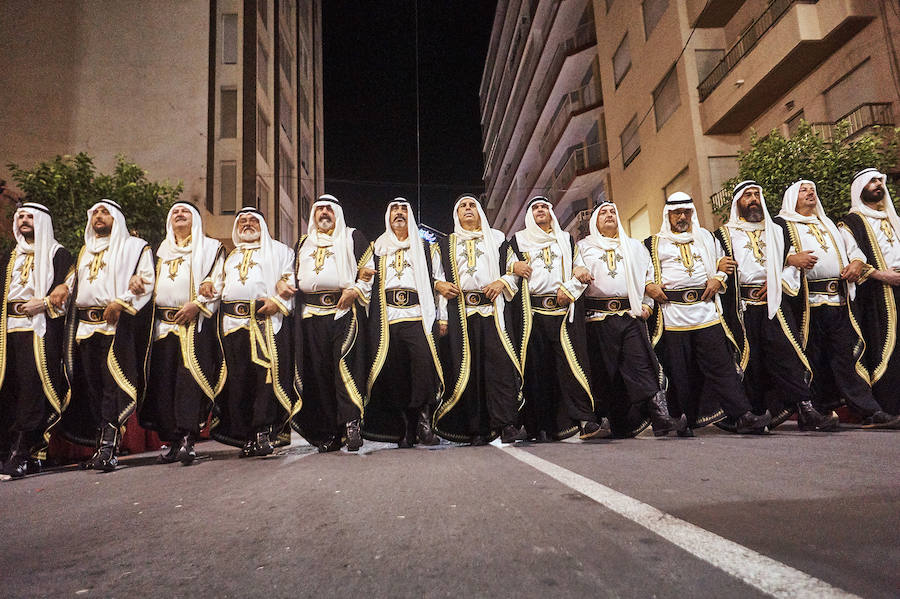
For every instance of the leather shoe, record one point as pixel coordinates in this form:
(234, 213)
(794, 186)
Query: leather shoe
(186, 453)
(810, 419)
(511, 433)
(424, 432)
(249, 449)
(687, 433)
(34, 466)
(16, 466)
(170, 456)
(354, 437)
(264, 445)
(751, 423)
(328, 445)
(663, 424)
(883, 420)
(595, 430)
(477, 441)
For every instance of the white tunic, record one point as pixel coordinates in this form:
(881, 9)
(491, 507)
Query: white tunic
(547, 275)
(750, 254)
(829, 265)
(173, 289)
(682, 267)
(244, 281)
(399, 275)
(91, 272)
(317, 270)
(886, 238)
(21, 288)
(608, 269)
(474, 274)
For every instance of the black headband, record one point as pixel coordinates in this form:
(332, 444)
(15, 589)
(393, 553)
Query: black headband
(34, 206)
(677, 202)
(186, 203)
(866, 170)
(250, 209)
(329, 198)
(740, 187)
(111, 203)
(536, 199)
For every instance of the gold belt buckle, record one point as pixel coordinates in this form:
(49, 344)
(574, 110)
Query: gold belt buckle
(831, 287)
(549, 303)
(401, 297)
(328, 299)
(614, 305)
(691, 295)
(18, 308)
(242, 309)
(95, 314)
(473, 298)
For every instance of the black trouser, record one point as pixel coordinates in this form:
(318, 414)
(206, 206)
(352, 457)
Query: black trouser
(887, 389)
(830, 349)
(23, 405)
(700, 365)
(324, 390)
(491, 395)
(774, 365)
(552, 393)
(623, 367)
(409, 377)
(248, 402)
(107, 400)
(175, 404)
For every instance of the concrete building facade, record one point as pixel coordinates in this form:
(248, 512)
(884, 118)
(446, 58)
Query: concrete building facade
(685, 83)
(223, 95)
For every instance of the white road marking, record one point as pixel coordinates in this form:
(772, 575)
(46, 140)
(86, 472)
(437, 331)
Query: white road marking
(763, 573)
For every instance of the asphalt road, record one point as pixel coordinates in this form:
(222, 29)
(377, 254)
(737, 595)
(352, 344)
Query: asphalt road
(456, 521)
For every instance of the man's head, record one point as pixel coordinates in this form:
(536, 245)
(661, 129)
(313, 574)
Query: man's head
(873, 193)
(102, 221)
(249, 229)
(25, 225)
(398, 217)
(323, 215)
(182, 221)
(607, 220)
(680, 219)
(750, 204)
(807, 200)
(541, 213)
(467, 213)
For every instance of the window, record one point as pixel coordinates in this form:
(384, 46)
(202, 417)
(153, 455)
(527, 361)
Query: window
(631, 142)
(230, 38)
(303, 105)
(285, 60)
(228, 113)
(794, 122)
(262, 199)
(285, 228)
(639, 225)
(305, 206)
(707, 60)
(263, 7)
(721, 169)
(653, 12)
(262, 135)
(286, 165)
(304, 155)
(227, 187)
(262, 69)
(621, 61)
(284, 116)
(851, 90)
(665, 97)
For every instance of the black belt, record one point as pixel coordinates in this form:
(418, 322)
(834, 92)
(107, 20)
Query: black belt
(826, 286)
(607, 304)
(474, 299)
(240, 309)
(92, 314)
(16, 308)
(322, 299)
(401, 298)
(166, 314)
(687, 296)
(748, 291)
(545, 301)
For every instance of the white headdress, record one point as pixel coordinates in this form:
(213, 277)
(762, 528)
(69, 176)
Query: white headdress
(44, 249)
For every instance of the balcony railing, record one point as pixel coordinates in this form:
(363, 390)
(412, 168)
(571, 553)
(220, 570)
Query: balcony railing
(582, 160)
(585, 36)
(718, 199)
(860, 118)
(576, 101)
(746, 43)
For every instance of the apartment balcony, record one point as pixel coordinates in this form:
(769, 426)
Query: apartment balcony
(712, 13)
(782, 46)
(575, 103)
(585, 37)
(861, 119)
(582, 171)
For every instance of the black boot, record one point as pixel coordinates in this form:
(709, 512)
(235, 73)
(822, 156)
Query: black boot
(17, 464)
(512, 433)
(354, 437)
(660, 420)
(248, 450)
(186, 454)
(408, 439)
(595, 430)
(424, 432)
(171, 455)
(810, 419)
(109, 445)
(882, 419)
(751, 423)
(91, 462)
(264, 445)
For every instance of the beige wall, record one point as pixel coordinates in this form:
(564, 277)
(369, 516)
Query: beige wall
(106, 78)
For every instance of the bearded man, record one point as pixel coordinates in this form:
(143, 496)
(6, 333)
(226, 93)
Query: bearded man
(329, 319)
(405, 377)
(697, 349)
(874, 225)
(626, 377)
(474, 278)
(550, 330)
(777, 374)
(831, 266)
(187, 369)
(38, 275)
(257, 399)
(108, 337)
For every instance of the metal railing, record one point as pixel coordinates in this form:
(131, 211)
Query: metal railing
(585, 36)
(582, 160)
(575, 101)
(719, 198)
(860, 118)
(746, 43)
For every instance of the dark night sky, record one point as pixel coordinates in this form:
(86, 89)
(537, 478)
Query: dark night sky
(370, 104)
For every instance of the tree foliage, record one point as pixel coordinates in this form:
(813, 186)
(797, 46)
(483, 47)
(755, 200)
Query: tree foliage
(70, 185)
(776, 162)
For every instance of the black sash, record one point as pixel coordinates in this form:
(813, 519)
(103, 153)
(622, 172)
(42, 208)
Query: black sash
(826, 286)
(401, 298)
(687, 296)
(607, 304)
